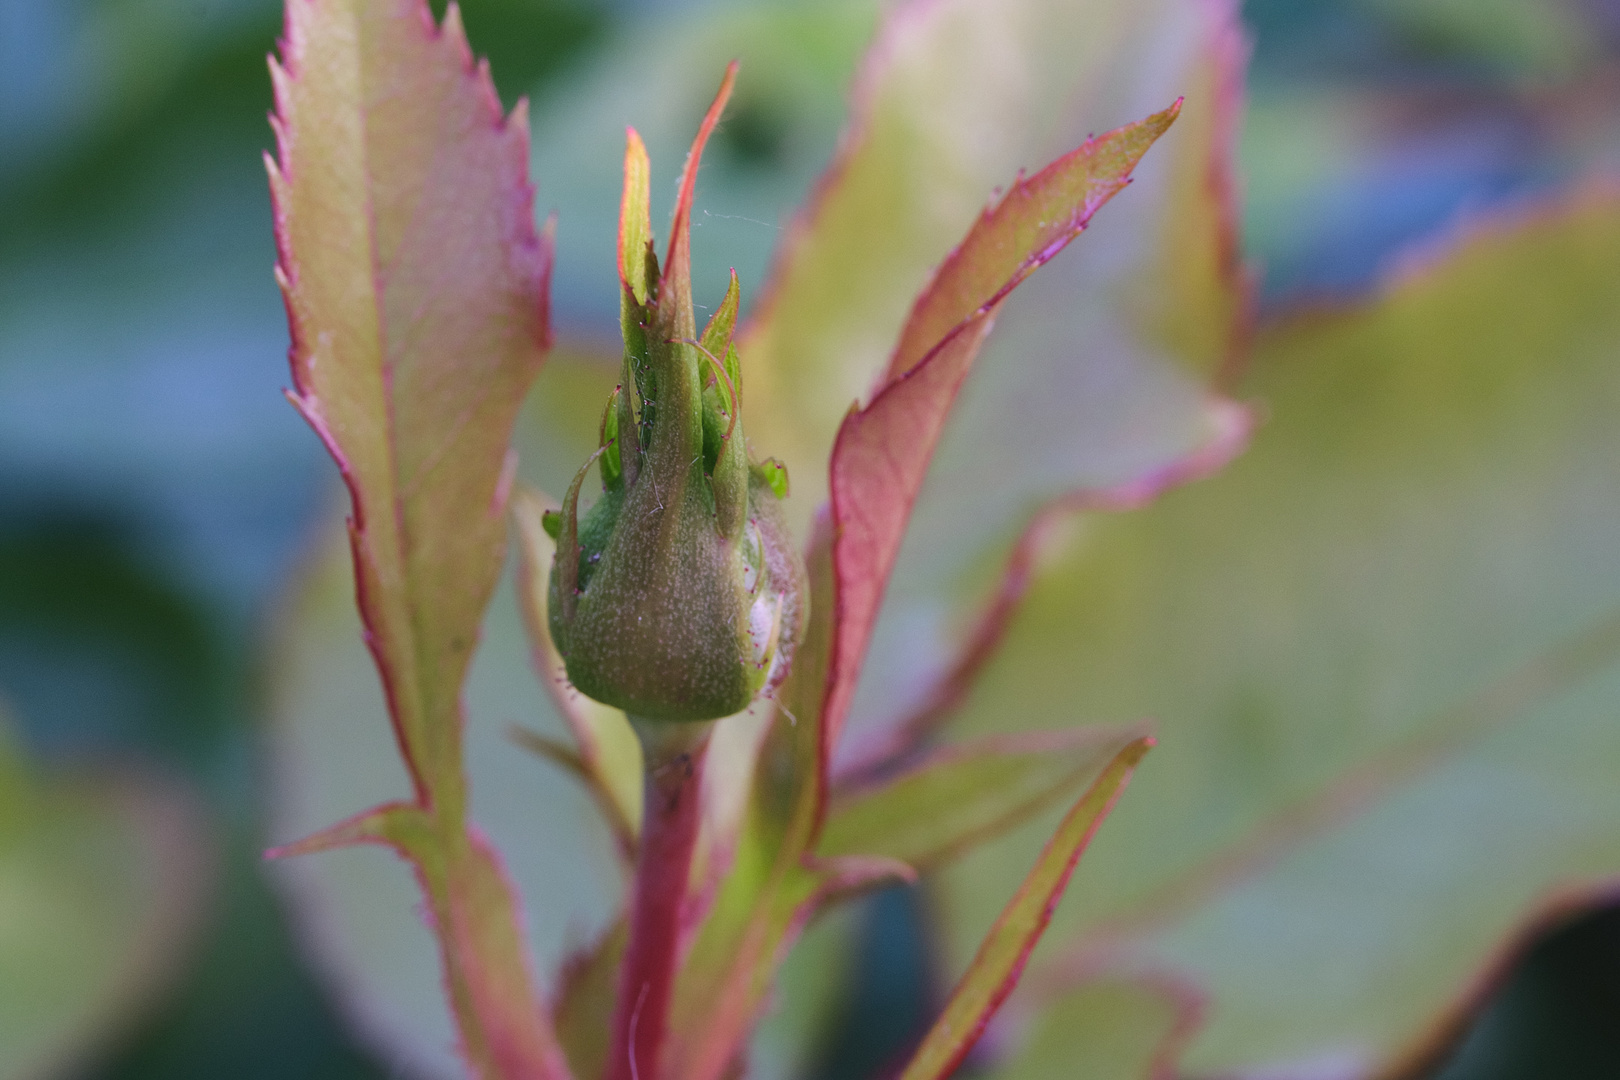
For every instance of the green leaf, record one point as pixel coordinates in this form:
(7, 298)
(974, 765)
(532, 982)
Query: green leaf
(1381, 650)
(102, 882)
(1000, 961)
(415, 285)
(963, 795)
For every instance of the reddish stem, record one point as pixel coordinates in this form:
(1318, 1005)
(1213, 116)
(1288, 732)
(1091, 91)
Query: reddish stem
(670, 815)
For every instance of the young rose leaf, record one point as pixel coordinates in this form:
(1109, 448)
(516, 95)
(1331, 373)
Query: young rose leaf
(1005, 950)
(1038, 544)
(334, 752)
(415, 286)
(951, 100)
(882, 451)
(416, 295)
(965, 794)
(1031, 223)
(1383, 652)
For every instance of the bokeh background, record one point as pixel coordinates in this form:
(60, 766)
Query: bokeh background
(157, 494)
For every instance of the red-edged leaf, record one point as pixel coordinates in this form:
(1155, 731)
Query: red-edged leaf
(1001, 958)
(764, 904)
(882, 451)
(475, 918)
(965, 794)
(1033, 222)
(1043, 534)
(415, 285)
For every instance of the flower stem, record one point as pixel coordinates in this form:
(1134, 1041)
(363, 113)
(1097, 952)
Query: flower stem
(671, 813)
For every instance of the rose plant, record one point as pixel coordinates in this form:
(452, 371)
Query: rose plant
(416, 291)
(416, 287)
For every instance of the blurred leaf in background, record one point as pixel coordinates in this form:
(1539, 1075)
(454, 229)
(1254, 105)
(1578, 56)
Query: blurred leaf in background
(102, 882)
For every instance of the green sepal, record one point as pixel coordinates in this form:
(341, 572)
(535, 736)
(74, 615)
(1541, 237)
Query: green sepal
(729, 477)
(717, 335)
(774, 475)
(612, 469)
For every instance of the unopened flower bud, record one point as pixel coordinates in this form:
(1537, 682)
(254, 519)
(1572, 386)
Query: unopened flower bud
(679, 595)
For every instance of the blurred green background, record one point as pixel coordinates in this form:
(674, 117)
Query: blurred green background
(156, 493)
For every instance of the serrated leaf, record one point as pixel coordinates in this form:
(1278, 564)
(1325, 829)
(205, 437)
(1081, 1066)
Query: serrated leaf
(883, 449)
(1381, 649)
(962, 795)
(876, 469)
(415, 285)
(1000, 961)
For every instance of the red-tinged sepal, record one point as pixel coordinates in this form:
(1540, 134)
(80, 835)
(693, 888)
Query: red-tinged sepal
(637, 273)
